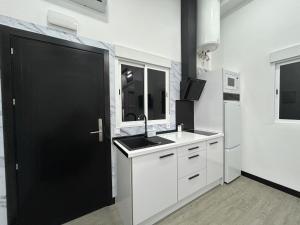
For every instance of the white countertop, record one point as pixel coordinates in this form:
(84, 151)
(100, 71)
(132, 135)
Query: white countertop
(179, 138)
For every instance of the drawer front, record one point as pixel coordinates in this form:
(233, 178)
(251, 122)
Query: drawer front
(187, 149)
(191, 184)
(191, 163)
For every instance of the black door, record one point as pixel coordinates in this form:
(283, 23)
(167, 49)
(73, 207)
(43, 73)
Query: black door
(63, 169)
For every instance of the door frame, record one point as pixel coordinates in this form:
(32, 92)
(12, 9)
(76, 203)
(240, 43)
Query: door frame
(6, 73)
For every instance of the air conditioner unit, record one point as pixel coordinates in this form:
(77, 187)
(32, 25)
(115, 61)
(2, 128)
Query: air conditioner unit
(98, 5)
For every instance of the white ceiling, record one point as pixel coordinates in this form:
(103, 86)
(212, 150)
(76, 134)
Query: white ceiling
(229, 6)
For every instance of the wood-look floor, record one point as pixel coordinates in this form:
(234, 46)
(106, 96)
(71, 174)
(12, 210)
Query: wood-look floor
(243, 202)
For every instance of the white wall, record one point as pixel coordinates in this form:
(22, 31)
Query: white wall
(209, 113)
(270, 150)
(151, 26)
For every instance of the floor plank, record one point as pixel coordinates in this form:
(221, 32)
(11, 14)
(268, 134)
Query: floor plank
(243, 202)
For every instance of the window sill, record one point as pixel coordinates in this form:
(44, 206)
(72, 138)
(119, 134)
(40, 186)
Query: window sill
(142, 123)
(285, 121)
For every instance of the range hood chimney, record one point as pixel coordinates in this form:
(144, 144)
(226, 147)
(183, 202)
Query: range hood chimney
(190, 87)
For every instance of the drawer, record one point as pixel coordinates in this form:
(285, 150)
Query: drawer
(187, 149)
(191, 163)
(191, 184)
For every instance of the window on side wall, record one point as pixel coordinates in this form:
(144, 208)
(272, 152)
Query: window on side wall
(142, 89)
(287, 92)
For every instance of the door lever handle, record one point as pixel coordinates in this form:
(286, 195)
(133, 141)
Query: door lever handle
(100, 131)
(96, 132)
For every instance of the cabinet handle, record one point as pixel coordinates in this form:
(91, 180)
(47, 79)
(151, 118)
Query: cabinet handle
(165, 156)
(194, 156)
(193, 177)
(213, 143)
(193, 148)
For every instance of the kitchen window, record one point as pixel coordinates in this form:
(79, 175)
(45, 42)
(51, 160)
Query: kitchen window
(142, 89)
(287, 92)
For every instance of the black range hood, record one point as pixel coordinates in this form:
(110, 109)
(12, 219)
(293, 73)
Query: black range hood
(190, 87)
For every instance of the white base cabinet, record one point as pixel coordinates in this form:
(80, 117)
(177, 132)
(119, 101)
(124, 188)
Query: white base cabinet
(154, 184)
(151, 186)
(215, 152)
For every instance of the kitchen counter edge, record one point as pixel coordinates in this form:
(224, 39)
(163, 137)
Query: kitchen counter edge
(145, 151)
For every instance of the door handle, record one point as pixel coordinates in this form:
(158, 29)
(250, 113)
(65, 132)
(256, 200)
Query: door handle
(95, 132)
(193, 177)
(190, 149)
(100, 131)
(194, 156)
(213, 143)
(165, 156)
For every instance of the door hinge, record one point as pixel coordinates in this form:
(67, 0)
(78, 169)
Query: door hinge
(14, 101)
(276, 91)
(11, 51)
(17, 166)
(119, 92)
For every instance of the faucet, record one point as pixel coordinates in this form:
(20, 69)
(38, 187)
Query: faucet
(143, 117)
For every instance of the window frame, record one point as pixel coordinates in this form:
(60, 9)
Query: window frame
(119, 122)
(277, 90)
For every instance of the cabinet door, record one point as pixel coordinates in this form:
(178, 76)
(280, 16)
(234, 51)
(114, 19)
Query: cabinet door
(214, 160)
(154, 184)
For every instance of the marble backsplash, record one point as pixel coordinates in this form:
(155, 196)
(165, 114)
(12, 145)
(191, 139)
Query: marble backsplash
(175, 77)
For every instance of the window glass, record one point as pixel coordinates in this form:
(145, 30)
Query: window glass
(132, 82)
(156, 94)
(289, 104)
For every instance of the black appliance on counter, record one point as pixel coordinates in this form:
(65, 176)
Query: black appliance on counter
(185, 114)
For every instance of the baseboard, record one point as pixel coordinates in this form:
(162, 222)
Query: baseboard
(272, 184)
(112, 201)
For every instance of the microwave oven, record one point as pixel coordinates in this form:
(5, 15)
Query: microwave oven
(231, 82)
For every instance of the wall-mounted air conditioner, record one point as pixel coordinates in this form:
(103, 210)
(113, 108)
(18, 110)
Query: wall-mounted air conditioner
(98, 5)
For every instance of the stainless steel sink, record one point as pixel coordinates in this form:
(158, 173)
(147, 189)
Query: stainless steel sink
(139, 142)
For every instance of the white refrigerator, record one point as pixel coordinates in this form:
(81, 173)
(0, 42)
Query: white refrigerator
(219, 109)
(232, 111)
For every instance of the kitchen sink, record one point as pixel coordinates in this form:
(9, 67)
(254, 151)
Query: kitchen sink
(134, 143)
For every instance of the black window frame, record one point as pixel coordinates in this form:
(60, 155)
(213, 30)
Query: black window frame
(120, 122)
(288, 94)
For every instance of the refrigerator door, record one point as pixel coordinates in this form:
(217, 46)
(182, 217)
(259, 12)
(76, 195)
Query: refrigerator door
(232, 163)
(232, 124)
